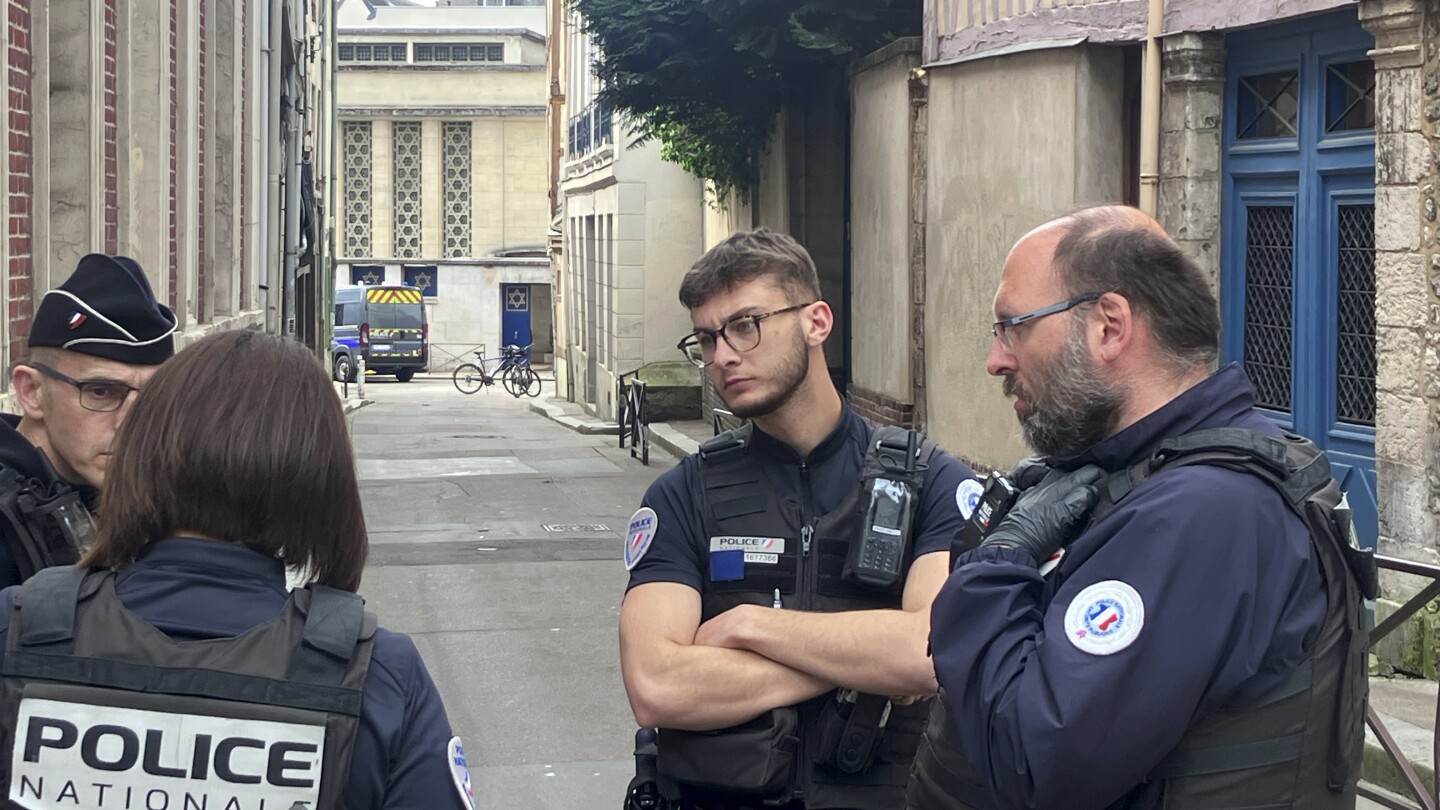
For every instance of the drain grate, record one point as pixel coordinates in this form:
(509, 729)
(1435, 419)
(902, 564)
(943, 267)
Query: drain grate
(572, 528)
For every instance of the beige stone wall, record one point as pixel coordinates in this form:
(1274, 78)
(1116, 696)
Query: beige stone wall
(1407, 276)
(478, 87)
(998, 167)
(880, 165)
(1192, 97)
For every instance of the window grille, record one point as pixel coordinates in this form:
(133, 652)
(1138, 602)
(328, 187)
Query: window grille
(1355, 310)
(407, 189)
(356, 140)
(1269, 291)
(457, 188)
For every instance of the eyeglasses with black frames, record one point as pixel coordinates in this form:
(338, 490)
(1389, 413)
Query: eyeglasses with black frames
(1004, 330)
(741, 334)
(100, 396)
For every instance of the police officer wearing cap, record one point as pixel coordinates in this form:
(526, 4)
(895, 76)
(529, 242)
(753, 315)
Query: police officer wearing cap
(780, 579)
(94, 341)
(1171, 613)
(173, 667)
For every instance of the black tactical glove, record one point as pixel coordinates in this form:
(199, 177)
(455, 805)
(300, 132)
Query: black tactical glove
(1048, 514)
(1028, 472)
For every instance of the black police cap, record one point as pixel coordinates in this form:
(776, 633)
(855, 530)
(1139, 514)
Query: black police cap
(106, 309)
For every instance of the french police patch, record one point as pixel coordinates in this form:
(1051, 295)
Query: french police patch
(967, 497)
(460, 772)
(639, 535)
(1105, 618)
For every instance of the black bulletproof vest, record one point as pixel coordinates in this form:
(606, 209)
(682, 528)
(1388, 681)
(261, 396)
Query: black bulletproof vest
(809, 574)
(1299, 745)
(94, 696)
(46, 523)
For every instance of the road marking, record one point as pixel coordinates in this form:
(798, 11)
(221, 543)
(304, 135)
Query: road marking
(375, 469)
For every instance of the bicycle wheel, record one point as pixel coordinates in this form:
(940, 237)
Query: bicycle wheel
(532, 388)
(515, 381)
(468, 378)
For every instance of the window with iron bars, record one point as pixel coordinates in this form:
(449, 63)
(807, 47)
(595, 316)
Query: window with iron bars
(461, 53)
(373, 52)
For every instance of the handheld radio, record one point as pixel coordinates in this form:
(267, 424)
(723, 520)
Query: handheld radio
(879, 557)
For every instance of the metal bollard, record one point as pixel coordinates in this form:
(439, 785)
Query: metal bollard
(360, 377)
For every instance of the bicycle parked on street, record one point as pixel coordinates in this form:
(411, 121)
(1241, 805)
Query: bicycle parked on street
(513, 372)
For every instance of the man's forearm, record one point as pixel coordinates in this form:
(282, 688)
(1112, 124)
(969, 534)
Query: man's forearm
(701, 688)
(877, 651)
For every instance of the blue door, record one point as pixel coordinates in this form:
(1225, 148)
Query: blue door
(1298, 237)
(515, 320)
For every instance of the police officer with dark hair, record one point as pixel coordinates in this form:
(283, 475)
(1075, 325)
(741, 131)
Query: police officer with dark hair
(172, 668)
(94, 341)
(780, 579)
(1170, 612)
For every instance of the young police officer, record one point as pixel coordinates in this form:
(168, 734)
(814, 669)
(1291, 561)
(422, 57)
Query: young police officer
(781, 579)
(1200, 643)
(94, 341)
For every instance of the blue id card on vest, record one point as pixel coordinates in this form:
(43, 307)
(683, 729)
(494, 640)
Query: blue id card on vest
(727, 565)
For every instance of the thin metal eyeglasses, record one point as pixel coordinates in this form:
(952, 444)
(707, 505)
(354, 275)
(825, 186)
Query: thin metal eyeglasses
(1001, 329)
(100, 396)
(742, 334)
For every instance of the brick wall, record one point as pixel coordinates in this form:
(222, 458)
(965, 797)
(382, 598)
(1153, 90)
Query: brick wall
(174, 68)
(200, 260)
(111, 168)
(19, 272)
(880, 409)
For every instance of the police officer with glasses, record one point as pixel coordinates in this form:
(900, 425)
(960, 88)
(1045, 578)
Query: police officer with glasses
(94, 343)
(1164, 608)
(781, 578)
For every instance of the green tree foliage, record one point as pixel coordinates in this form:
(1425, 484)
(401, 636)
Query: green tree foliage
(707, 77)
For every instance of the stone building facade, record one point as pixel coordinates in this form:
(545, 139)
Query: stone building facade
(155, 130)
(441, 167)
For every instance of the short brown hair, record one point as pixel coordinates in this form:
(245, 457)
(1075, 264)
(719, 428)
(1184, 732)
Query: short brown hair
(746, 256)
(240, 438)
(1105, 250)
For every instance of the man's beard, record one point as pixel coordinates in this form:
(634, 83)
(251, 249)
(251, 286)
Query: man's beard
(787, 377)
(1073, 409)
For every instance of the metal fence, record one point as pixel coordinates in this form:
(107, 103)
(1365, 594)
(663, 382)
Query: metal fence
(1427, 798)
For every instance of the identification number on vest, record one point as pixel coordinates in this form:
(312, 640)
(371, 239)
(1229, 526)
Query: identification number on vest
(78, 755)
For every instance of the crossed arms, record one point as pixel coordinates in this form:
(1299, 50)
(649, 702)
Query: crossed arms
(680, 673)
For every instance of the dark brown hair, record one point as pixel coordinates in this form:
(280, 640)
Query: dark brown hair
(1107, 249)
(240, 438)
(746, 256)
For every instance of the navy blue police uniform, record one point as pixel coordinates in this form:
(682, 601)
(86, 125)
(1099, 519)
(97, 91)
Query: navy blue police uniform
(680, 549)
(1199, 593)
(194, 590)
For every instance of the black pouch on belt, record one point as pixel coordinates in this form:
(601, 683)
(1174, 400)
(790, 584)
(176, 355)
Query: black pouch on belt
(757, 757)
(851, 729)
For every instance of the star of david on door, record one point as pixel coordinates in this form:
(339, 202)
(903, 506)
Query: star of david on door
(367, 274)
(516, 300)
(422, 280)
(423, 276)
(371, 277)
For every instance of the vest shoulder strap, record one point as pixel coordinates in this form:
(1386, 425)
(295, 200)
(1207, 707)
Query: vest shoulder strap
(725, 445)
(335, 623)
(732, 484)
(886, 455)
(48, 601)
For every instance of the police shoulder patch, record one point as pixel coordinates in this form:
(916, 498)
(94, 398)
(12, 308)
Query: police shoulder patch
(1105, 617)
(460, 772)
(639, 535)
(967, 496)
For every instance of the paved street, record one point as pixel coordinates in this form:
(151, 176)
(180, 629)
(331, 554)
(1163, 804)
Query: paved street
(495, 539)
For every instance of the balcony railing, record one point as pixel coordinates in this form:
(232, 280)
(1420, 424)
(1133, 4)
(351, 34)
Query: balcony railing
(590, 130)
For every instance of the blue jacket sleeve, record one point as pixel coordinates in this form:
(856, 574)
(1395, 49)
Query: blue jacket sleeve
(674, 555)
(1231, 599)
(417, 771)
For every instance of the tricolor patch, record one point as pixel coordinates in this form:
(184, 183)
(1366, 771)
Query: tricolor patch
(639, 535)
(76, 319)
(1105, 618)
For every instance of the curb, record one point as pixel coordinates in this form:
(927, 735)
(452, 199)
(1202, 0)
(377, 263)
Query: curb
(579, 424)
(352, 405)
(672, 441)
